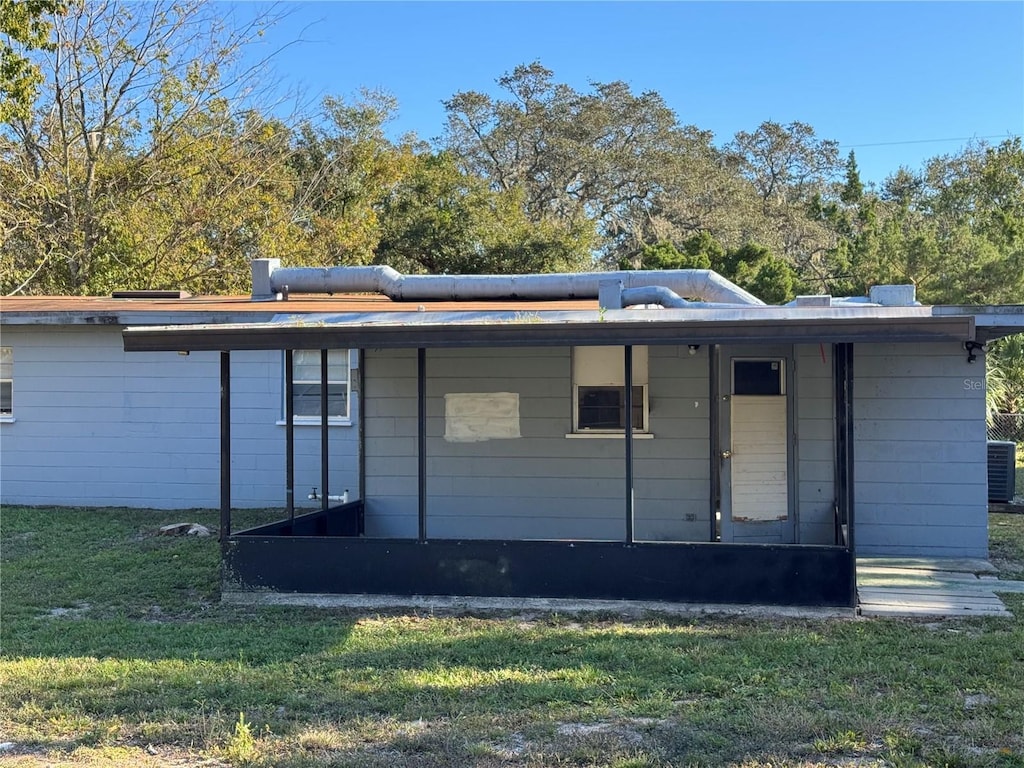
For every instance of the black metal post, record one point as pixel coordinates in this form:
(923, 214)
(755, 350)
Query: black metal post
(421, 433)
(628, 377)
(225, 447)
(324, 442)
(714, 439)
(289, 434)
(843, 381)
(361, 390)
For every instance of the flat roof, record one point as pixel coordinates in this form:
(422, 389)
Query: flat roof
(96, 310)
(561, 328)
(313, 321)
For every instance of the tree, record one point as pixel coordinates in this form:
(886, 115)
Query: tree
(750, 266)
(601, 155)
(218, 199)
(792, 173)
(700, 251)
(974, 202)
(785, 163)
(853, 189)
(346, 167)
(954, 229)
(133, 97)
(443, 221)
(23, 28)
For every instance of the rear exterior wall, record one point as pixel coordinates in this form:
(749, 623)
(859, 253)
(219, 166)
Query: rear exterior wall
(547, 483)
(95, 426)
(920, 461)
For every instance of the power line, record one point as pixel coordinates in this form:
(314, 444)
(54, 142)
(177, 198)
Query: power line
(927, 141)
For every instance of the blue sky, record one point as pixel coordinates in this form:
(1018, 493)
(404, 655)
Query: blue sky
(862, 73)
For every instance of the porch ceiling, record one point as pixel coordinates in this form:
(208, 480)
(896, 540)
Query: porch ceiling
(546, 329)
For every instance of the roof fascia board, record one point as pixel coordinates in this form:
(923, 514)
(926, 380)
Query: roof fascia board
(324, 336)
(128, 319)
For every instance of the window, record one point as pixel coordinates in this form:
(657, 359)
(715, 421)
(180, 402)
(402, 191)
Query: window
(758, 377)
(306, 399)
(599, 390)
(6, 383)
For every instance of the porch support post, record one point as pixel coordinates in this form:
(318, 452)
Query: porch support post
(714, 440)
(628, 378)
(421, 434)
(843, 376)
(225, 448)
(324, 443)
(361, 379)
(289, 434)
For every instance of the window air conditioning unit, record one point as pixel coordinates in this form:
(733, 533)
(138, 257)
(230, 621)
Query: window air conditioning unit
(1002, 470)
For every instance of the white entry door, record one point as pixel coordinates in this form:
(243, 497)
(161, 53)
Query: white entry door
(755, 450)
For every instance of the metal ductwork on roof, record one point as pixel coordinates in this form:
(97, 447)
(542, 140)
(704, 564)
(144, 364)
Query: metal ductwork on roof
(271, 281)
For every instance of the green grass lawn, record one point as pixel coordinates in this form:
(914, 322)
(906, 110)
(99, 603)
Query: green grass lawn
(116, 652)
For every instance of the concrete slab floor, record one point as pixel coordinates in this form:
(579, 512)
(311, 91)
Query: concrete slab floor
(448, 605)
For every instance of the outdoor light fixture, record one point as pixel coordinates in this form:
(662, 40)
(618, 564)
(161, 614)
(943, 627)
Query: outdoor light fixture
(693, 349)
(972, 348)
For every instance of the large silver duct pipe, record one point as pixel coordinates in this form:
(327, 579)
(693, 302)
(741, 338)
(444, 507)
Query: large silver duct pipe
(661, 296)
(269, 281)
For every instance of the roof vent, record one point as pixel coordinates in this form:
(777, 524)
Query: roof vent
(894, 295)
(150, 295)
(823, 300)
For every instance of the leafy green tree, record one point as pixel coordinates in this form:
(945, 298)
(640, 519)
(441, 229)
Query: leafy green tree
(853, 189)
(217, 200)
(345, 168)
(700, 251)
(599, 155)
(792, 174)
(769, 277)
(974, 202)
(23, 28)
(443, 221)
(136, 95)
(786, 163)
(750, 266)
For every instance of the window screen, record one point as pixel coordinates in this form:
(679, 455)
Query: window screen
(599, 380)
(605, 408)
(757, 377)
(6, 381)
(306, 383)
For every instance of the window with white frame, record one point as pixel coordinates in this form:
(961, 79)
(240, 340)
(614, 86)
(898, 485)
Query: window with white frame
(6, 382)
(599, 390)
(306, 386)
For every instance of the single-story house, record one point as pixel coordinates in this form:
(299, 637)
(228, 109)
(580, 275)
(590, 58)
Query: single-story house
(590, 435)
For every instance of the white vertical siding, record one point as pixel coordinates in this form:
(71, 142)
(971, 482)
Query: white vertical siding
(760, 457)
(920, 455)
(95, 426)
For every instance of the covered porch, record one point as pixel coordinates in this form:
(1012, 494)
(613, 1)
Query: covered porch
(418, 529)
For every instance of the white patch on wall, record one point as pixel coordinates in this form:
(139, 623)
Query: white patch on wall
(471, 417)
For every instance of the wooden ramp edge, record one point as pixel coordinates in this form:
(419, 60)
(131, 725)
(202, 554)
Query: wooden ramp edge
(923, 587)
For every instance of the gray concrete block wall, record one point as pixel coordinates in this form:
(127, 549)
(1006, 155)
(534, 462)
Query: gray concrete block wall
(95, 426)
(815, 428)
(390, 452)
(541, 485)
(920, 451)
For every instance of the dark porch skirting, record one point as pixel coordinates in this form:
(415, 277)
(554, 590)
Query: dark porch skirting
(768, 574)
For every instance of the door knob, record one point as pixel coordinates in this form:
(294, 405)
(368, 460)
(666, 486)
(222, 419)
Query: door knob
(726, 454)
